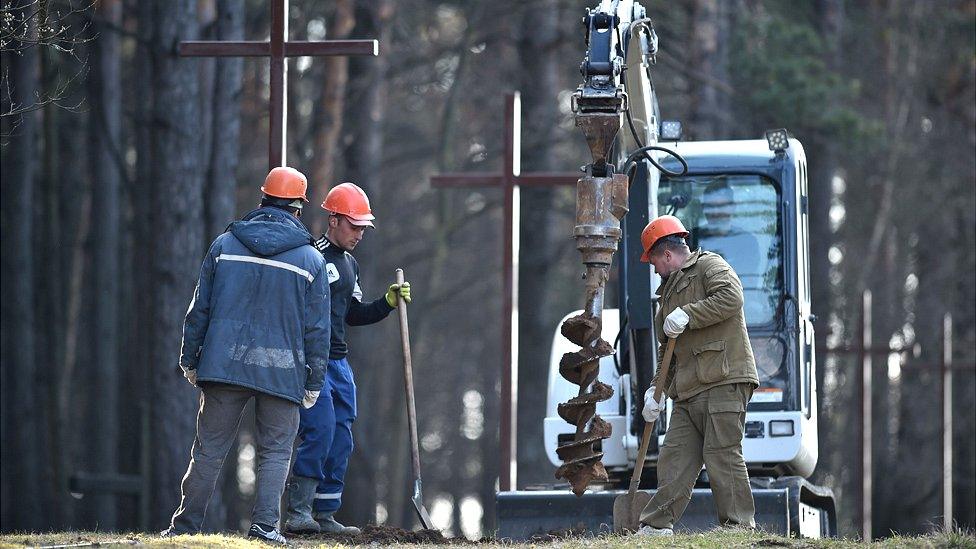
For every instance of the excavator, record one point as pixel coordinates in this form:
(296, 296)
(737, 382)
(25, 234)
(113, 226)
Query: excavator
(744, 199)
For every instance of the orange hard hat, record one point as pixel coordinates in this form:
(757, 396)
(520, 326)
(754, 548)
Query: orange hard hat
(659, 227)
(349, 200)
(285, 182)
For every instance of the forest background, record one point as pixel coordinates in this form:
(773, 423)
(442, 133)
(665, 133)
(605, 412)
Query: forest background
(121, 161)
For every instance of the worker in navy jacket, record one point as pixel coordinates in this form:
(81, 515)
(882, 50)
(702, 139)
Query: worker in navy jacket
(258, 326)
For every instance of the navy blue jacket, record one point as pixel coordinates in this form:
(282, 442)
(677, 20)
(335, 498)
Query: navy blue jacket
(260, 313)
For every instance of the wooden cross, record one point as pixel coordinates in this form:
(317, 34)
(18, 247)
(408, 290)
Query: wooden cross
(509, 180)
(278, 49)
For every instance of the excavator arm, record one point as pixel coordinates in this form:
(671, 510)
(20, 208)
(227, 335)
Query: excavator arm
(600, 105)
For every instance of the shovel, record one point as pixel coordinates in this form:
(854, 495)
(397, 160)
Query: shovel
(627, 507)
(418, 496)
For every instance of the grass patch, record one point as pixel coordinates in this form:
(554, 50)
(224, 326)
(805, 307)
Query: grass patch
(709, 540)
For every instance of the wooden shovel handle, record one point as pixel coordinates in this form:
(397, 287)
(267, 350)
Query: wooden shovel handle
(649, 426)
(408, 378)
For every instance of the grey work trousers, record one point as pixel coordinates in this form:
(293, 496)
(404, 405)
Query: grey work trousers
(705, 429)
(221, 408)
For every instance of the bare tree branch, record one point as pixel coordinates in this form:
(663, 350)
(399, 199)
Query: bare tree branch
(45, 24)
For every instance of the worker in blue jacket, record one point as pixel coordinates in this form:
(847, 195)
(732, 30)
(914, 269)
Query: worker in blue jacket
(258, 327)
(318, 475)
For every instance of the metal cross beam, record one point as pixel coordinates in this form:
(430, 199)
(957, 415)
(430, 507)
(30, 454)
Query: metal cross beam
(278, 49)
(510, 179)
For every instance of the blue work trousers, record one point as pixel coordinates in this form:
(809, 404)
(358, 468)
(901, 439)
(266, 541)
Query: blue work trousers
(326, 431)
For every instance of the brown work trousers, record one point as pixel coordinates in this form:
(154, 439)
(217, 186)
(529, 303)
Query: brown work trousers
(705, 429)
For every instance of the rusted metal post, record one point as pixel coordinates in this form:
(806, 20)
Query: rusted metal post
(510, 179)
(279, 83)
(866, 419)
(947, 421)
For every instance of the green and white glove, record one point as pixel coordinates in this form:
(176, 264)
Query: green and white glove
(395, 290)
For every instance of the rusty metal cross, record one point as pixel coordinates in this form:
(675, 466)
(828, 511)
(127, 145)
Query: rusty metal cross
(510, 179)
(278, 49)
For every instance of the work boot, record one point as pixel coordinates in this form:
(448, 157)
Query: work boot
(301, 492)
(330, 525)
(651, 531)
(267, 534)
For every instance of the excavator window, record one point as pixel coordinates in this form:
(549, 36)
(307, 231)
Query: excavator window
(738, 217)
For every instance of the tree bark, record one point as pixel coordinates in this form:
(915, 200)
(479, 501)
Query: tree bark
(219, 193)
(709, 103)
(330, 107)
(140, 263)
(104, 83)
(177, 238)
(51, 300)
(22, 508)
(823, 165)
(367, 120)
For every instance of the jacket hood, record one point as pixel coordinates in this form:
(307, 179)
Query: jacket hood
(270, 231)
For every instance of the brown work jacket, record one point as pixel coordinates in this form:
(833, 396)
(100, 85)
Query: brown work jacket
(714, 349)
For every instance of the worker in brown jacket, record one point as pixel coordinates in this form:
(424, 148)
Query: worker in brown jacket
(712, 378)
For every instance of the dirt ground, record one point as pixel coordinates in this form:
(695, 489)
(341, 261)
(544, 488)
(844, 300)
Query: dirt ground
(380, 535)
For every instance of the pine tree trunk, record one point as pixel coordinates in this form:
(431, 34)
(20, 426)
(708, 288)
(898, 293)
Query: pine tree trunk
(219, 193)
(709, 105)
(104, 83)
(823, 165)
(21, 497)
(367, 114)
(176, 249)
(330, 107)
(51, 298)
(139, 263)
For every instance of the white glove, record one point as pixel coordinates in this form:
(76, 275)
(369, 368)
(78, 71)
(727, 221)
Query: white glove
(675, 323)
(652, 408)
(310, 398)
(190, 375)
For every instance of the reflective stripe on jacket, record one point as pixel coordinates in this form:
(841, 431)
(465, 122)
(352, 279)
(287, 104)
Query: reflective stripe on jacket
(259, 316)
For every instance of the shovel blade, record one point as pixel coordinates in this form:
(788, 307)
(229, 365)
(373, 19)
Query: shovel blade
(418, 504)
(627, 510)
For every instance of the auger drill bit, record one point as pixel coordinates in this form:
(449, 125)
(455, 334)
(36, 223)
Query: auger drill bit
(581, 462)
(601, 202)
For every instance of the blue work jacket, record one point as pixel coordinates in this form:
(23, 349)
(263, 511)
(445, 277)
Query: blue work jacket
(260, 313)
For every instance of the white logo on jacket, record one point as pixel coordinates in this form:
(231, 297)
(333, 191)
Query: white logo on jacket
(332, 272)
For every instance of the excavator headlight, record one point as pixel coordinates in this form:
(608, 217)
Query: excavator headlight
(778, 140)
(670, 130)
(781, 428)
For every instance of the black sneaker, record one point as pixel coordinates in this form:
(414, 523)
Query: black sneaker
(267, 534)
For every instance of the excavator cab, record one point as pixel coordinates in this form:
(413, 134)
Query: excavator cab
(749, 203)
